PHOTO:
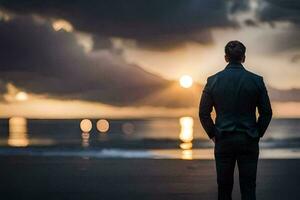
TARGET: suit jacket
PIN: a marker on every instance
(235, 93)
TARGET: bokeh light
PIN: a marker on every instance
(128, 128)
(86, 125)
(21, 96)
(102, 125)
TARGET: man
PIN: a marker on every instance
(235, 93)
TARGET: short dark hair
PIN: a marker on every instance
(235, 51)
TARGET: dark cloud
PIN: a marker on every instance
(280, 10)
(166, 42)
(40, 60)
(154, 23)
(250, 22)
(238, 6)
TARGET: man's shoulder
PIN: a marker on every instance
(214, 77)
(223, 73)
(254, 75)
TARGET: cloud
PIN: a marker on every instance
(291, 95)
(250, 22)
(154, 24)
(238, 6)
(279, 10)
(284, 18)
(284, 38)
(40, 60)
(82, 61)
(295, 58)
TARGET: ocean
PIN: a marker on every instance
(162, 138)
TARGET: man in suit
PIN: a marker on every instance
(235, 93)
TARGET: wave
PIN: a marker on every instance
(206, 153)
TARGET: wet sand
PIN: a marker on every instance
(34, 177)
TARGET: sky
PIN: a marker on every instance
(124, 58)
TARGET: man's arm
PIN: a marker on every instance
(205, 109)
(264, 110)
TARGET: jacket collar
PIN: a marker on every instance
(234, 65)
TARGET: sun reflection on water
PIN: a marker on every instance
(186, 136)
(18, 132)
(85, 139)
(187, 154)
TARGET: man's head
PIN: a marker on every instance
(235, 52)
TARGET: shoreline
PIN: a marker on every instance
(103, 153)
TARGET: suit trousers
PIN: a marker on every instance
(236, 147)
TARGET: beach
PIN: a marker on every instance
(130, 100)
(155, 159)
(67, 177)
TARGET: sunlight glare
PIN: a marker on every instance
(62, 25)
(21, 96)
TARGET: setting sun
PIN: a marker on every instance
(186, 81)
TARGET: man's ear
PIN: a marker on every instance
(226, 58)
(244, 58)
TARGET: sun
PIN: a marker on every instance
(186, 81)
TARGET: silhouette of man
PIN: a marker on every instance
(235, 93)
